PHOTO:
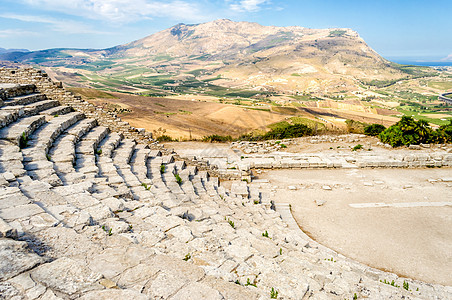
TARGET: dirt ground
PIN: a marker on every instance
(414, 242)
(184, 119)
(193, 117)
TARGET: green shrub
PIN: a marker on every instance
(178, 178)
(408, 132)
(162, 168)
(273, 293)
(165, 138)
(215, 138)
(23, 141)
(284, 131)
(248, 282)
(231, 223)
(357, 147)
(374, 129)
(442, 134)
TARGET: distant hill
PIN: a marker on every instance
(3, 50)
(229, 54)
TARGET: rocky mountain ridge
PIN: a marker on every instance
(242, 53)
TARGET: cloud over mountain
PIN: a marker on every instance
(248, 5)
(122, 11)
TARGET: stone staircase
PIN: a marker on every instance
(87, 213)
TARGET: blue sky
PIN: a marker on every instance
(395, 28)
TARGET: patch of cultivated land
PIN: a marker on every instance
(412, 241)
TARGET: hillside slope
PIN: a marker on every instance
(238, 54)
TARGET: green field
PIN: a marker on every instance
(440, 85)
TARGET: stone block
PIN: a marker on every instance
(20, 212)
(67, 276)
(15, 258)
(6, 230)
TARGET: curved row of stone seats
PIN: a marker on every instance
(9, 90)
(37, 163)
(85, 151)
(18, 131)
(11, 165)
(24, 99)
(63, 155)
(209, 244)
(36, 158)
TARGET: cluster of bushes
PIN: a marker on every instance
(279, 133)
(215, 138)
(166, 138)
(374, 129)
(410, 132)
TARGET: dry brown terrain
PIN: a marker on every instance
(180, 118)
(193, 117)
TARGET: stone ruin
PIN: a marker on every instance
(92, 208)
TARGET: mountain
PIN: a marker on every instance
(231, 55)
(3, 50)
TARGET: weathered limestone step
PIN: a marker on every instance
(286, 214)
(35, 156)
(90, 141)
(63, 151)
(16, 258)
(10, 114)
(122, 154)
(91, 210)
(25, 99)
(82, 127)
(240, 188)
(169, 178)
(11, 159)
(24, 212)
(198, 185)
(6, 231)
(8, 90)
(109, 143)
(21, 129)
(58, 110)
(43, 138)
(85, 162)
(138, 163)
(37, 107)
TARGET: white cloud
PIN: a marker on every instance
(66, 26)
(448, 58)
(248, 5)
(122, 11)
(9, 33)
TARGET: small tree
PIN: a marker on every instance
(374, 129)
